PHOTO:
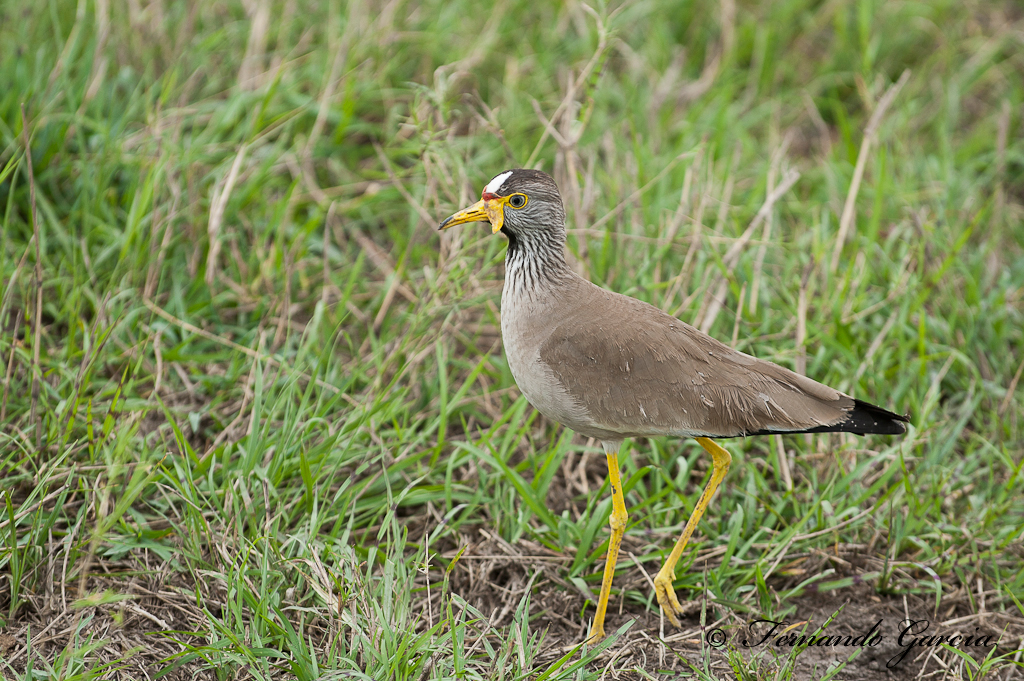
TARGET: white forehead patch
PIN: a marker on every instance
(495, 185)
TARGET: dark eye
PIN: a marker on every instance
(517, 200)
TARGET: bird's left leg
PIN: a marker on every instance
(663, 582)
(618, 526)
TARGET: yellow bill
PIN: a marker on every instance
(485, 210)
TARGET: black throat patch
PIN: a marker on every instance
(513, 241)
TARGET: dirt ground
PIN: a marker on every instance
(494, 583)
(492, 575)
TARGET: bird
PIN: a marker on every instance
(612, 367)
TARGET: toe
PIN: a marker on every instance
(668, 601)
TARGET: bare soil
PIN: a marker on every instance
(493, 575)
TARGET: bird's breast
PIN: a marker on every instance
(525, 325)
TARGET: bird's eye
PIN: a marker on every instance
(517, 200)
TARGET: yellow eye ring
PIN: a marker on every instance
(517, 201)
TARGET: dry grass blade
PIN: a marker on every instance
(382, 261)
(762, 251)
(570, 95)
(10, 365)
(783, 458)
(25, 512)
(713, 304)
(641, 191)
(801, 321)
(696, 89)
(427, 218)
(325, 285)
(739, 317)
(824, 136)
(258, 12)
(1003, 132)
(219, 203)
(99, 56)
(1010, 389)
(337, 68)
(192, 328)
(870, 134)
(875, 345)
(156, 264)
(37, 282)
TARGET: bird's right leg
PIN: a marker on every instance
(618, 525)
(663, 582)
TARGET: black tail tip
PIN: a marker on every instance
(866, 419)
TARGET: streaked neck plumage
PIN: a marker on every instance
(534, 262)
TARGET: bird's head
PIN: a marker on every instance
(516, 202)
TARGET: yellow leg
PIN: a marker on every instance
(663, 582)
(618, 525)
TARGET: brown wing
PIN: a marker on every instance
(658, 375)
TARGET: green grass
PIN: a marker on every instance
(263, 406)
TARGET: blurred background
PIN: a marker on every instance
(256, 419)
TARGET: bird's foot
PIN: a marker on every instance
(667, 599)
(670, 605)
(596, 635)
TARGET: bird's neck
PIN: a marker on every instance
(535, 262)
